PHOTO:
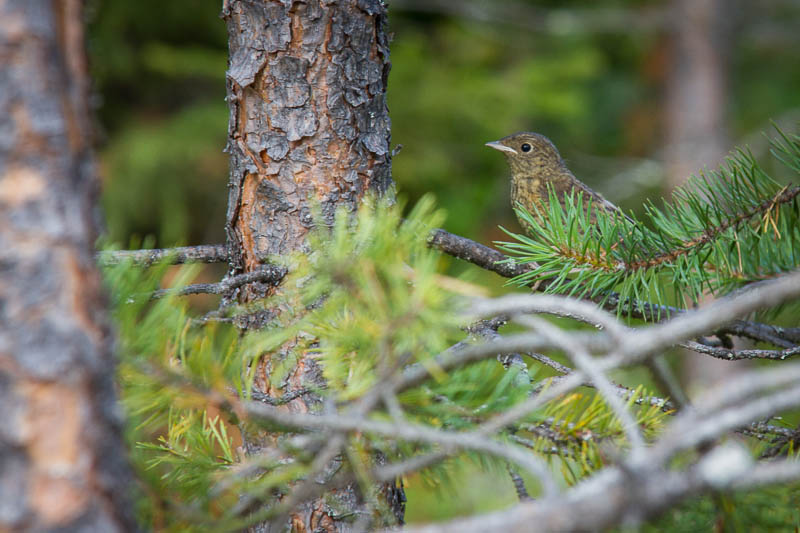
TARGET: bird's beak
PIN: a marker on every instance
(502, 147)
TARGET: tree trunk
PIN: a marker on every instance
(61, 456)
(308, 125)
(697, 87)
(696, 106)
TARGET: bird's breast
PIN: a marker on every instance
(530, 193)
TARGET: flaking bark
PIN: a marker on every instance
(309, 126)
(308, 117)
(62, 463)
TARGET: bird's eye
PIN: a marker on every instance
(526, 147)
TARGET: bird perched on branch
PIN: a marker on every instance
(535, 163)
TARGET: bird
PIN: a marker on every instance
(535, 163)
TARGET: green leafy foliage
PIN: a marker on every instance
(723, 230)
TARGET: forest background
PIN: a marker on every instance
(603, 82)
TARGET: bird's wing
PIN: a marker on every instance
(598, 201)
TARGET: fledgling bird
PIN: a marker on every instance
(535, 163)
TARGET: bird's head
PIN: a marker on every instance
(526, 152)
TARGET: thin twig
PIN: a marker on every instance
(407, 431)
(734, 355)
(265, 274)
(203, 253)
(585, 363)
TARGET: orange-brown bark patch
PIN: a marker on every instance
(297, 524)
(244, 221)
(320, 520)
(21, 184)
(53, 431)
(83, 286)
(56, 500)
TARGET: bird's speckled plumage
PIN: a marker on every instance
(540, 165)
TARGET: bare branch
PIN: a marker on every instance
(734, 355)
(407, 431)
(690, 430)
(476, 253)
(265, 274)
(585, 363)
(555, 365)
(615, 496)
(647, 340)
(582, 311)
(204, 253)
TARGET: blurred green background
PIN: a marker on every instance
(592, 76)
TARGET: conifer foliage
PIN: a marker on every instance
(413, 384)
(724, 229)
(379, 309)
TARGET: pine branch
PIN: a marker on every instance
(715, 236)
(477, 254)
(784, 196)
(734, 355)
(488, 259)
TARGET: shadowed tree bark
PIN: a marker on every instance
(697, 87)
(697, 97)
(61, 456)
(308, 124)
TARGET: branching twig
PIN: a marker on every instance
(408, 431)
(484, 257)
(584, 362)
(265, 274)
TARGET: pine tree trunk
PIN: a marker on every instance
(61, 455)
(697, 87)
(697, 96)
(308, 124)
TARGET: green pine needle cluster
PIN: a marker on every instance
(166, 370)
(367, 301)
(724, 229)
(572, 430)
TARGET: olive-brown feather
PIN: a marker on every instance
(535, 163)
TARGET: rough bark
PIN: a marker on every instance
(62, 461)
(308, 126)
(306, 89)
